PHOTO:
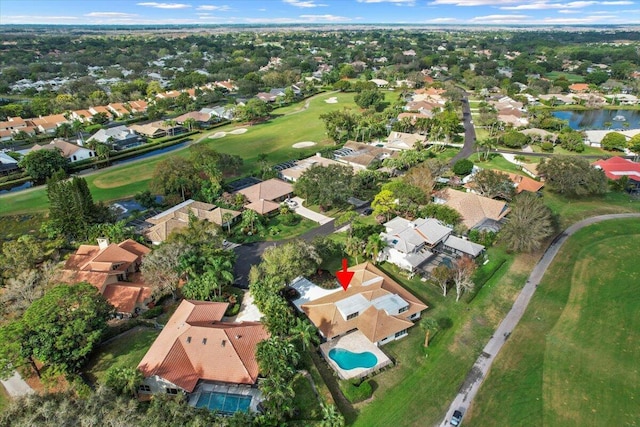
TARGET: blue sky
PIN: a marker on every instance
(478, 12)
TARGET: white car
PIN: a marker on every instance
(291, 203)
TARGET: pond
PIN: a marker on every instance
(153, 153)
(600, 119)
(17, 187)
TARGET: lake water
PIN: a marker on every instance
(596, 119)
(17, 187)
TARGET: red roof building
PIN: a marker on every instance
(196, 345)
(617, 167)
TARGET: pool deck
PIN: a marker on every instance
(355, 342)
(242, 390)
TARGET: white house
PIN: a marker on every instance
(411, 244)
(73, 153)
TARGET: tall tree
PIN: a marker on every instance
(61, 328)
(441, 276)
(160, 268)
(326, 186)
(463, 270)
(41, 164)
(528, 225)
(573, 176)
(492, 184)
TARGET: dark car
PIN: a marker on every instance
(367, 211)
(456, 418)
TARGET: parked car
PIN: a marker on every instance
(456, 418)
(291, 203)
(367, 211)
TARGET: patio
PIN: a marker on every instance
(354, 342)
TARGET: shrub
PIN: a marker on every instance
(514, 139)
(153, 312)
(356, 393)
(547, 146)
(463, 167)
(290, 219)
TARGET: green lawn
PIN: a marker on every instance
(572, 210)
(125, 351)
(5, 400)
(573, 359)
(416, 391)
(305, 401)
(572, 78)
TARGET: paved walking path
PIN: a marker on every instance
(308, 213)
(16, 386)
(480, 369)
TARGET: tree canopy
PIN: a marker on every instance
(327, 186)
(41, 164)
(528, 225)
(573, 176)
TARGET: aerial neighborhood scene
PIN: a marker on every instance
(319, 213)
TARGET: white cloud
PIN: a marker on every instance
(499, 19)
(545, 5)
(39, 19)
(396, 2)
(473, 2)
(112, 15)
(616, 3)
(164, 5)
(568, 11)
(304, 3)
(325, 18)
(442, 20)
(223, 8)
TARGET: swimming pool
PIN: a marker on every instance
(348, 360)
(223, 402)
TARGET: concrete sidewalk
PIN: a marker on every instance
(16, 386)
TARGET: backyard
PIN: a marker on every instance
(125, 351)
(573, 359)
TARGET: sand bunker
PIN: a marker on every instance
(304, 144)
(238, 131)
(332, 100)
(218, 135)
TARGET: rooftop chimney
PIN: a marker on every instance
(103, 243)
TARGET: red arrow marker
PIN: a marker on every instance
(344, 276)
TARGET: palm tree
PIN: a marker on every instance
(227, 217)
(375, 245)
(304, 331)
(330, 416)
(250, 220)
(354, 246)
(529, 224)
(170, 124)
(219, 271)
(190, 123)
(102, 151)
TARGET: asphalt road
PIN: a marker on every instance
(469, 132)
(480, 369)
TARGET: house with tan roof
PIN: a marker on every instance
(101, 109)
(177, 217)
(197, 350)
(13, 124)
(72, 152)
(373, 304)
(114, 269)
(138, 106)
(412, 244)
(360, 156)
(301, 166)
(119, 109)
(83, 115)
(272, 190)
(404, 141)
(477, 212)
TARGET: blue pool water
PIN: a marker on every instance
(222, 402)
(348, 360)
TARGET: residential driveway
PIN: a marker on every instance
(469, 132)
(249, 254)
(480, 369)
(16, 386)
(249, 312)
(309, 214)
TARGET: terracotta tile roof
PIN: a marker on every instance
(616, 167)
(263, 207)
(270, 189)
(196, 115)
(474, 208)
(101, 267)
(195, 345)
(579, 87)
(124, 297)
(138, 106)
(368, 284)
(524, 183)
(49, 121)
(295, 172)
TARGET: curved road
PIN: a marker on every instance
(480, 369)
